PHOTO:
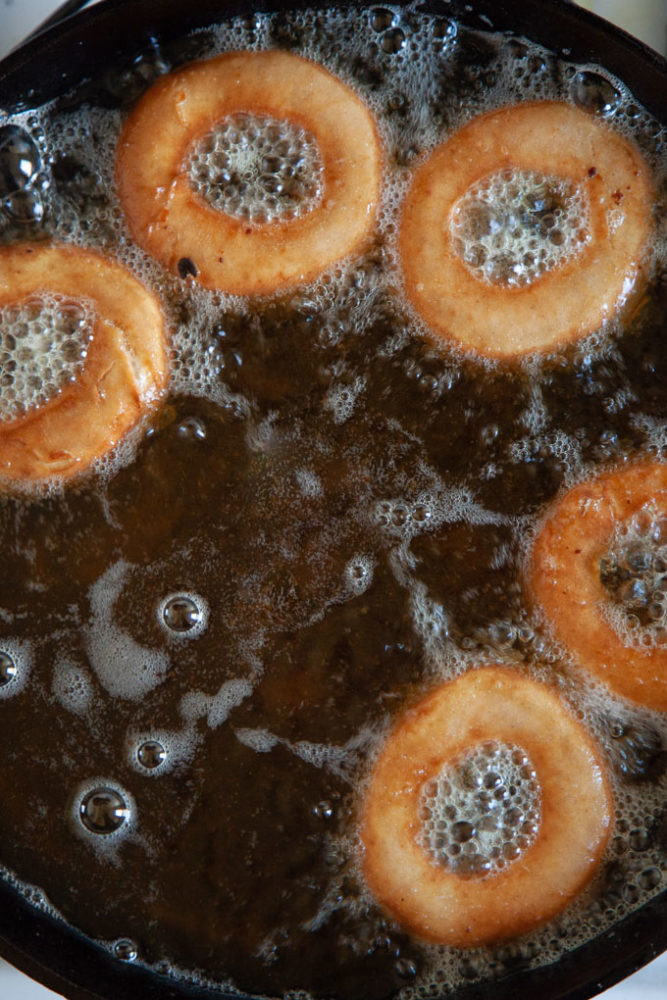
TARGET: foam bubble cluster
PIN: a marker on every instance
(516, 225)
(634, 573)
(257, 168)
(44, 342)
(483, 811)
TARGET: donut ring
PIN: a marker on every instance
(563, 578)
(124, 373)
(439, 905)
(173, 223)
(564, 303)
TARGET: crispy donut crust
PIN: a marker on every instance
(435, 903)
(124, 373)
(563, 304)
(172, 222)
(563, 578)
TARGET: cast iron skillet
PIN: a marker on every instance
(46, 67)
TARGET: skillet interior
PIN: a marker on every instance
(45, 949)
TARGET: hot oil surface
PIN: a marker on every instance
(346, 506)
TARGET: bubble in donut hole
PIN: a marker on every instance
(483, 812)
(209, 635)
(634, 574)
(258, 168)
(43, 344)
(513, 226)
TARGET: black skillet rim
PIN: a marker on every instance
(44, 947)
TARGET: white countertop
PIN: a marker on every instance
(647, 19)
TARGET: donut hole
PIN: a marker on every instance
(258, 169)
(482, 811)
(44, 342)
(633, 572)
(515, 225)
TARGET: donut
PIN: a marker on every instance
(427, 754)
(123, 370)
(485, 205)
(591, 525)
(177, 225)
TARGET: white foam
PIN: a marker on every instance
(72, 686)
(359, 573)
(124, 667)
(215, 708)
(341, 398)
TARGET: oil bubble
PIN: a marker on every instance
(125, 950)
(127, 84)
(359, 573)
(393, 40)
(594, 93)
(191, 429)
(400, 515)
(421, 513)
(151, 754)
(640, 839)
(405, 968)
(445, 32)
(25, 207)
(383, 19)
(20, 160)
(324, 810)
(184, 615)
(181, 614)
(8, 669)
(631, 893)
(103, 811)
(650, 878)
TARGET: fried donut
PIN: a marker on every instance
(175, 224)
(503, 318)
(565, 577)
(429, 897)
(123, 374)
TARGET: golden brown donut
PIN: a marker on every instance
(562, 304)
(124, 373)
(563, 578)
(436, 903)
(172, 222)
